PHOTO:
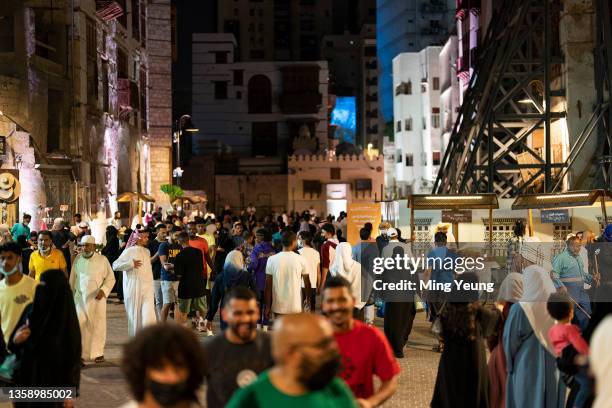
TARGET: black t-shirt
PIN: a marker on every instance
(231, 366)
(156, 266)
(188, 267)
(170, 251)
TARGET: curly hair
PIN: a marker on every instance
(158, 346)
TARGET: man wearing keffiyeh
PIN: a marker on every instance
(135, 262)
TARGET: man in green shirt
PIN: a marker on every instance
(307, 362)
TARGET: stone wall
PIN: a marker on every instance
(160, 96)
(266, 192)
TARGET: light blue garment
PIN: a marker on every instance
(533, 378)
(567, 266)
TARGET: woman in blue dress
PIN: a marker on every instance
(533, 378)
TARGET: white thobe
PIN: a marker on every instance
(87, 278)
(137, 287)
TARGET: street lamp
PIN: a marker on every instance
(184, 124)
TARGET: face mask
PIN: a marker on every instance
(300, 244)
(167, 395)
(316, 376)
(383, 233)
(9, 273)
(88, 254)
(44, 251)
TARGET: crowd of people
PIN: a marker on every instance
(296, 314)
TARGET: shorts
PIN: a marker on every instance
(169, 289)
(194, 304)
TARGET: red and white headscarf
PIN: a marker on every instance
(133, 239)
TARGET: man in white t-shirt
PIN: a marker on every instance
(285, 272)
(313, 263)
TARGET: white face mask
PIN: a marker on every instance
(300, 244)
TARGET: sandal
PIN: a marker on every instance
(99, 360)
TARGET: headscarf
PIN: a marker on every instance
(601, 362)
(537, 287)
(343, 261)
(233, 268)
(133, 239)
(51, 356)
(511, 289)
(536, 252)
(607, 233)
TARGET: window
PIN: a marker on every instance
(144, 119)
(136, 19)
(264, 139)
(436, 84)
(260, 94)
(261, 27)
(220, 90)
(54, 113)
(435, 121)
(409, 160)
(408, 124)
(398, 156)
(436, 158)
(370, 51)
(257, 54)
(424, 123)
(398, 128)
(122, 64)
(7, 33)
(423, 88)
(123, 18)
(105, 103)
(334, 173)
(238, 95)
(238, 77)
(221, 57)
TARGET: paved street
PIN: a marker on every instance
(103, 386)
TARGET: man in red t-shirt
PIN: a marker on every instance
(365, 350)
(328, 251)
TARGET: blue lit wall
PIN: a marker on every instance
(344, 117)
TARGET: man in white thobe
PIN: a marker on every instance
(91, 281)
(135, 262)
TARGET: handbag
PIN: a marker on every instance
(436, 326)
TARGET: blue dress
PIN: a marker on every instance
(533, 378)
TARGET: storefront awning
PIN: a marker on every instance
(453, 202)
(567, 199)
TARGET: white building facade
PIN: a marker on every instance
(417, 121)
(450, 93)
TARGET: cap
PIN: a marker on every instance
(88, 239)
(392, 232)
(83, 224)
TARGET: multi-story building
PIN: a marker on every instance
(280, 30)
(252, 115)
(416, 80)
(449, 90)
(83, 102)
(371, 124)
(408, 26)
(342, 53)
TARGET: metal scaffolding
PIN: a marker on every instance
(501, 142)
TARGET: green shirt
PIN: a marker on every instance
(262, 393)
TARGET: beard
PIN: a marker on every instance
(316, 376)
(236, 329)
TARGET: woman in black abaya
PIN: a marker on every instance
(47, 340)
(462, 380)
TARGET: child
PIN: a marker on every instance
(563, 335)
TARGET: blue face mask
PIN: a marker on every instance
(11, 272)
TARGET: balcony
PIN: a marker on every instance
(300, 103)
(372, 81)
(372, 130)
(371, 65)
(373, 114)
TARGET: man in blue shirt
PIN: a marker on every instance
(570, 277)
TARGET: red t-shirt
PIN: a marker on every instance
(562, 335)
(202, 245)
(325, 258)
(365, 352)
